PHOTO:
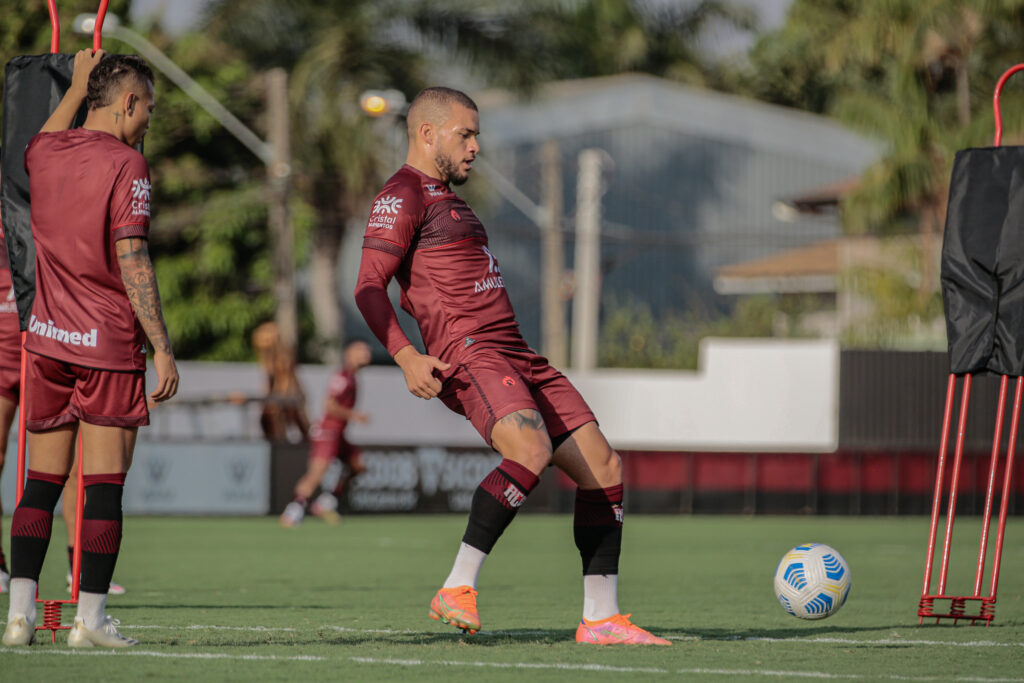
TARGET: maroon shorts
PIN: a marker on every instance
(58, 393)
(327, 444)
(493, 383)
(10, 383)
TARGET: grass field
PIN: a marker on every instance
(242, 599)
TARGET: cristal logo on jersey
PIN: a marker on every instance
(514, 496)
(141, 190)
(493, 281)
(389, 204)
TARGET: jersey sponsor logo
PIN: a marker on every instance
(385, 213)
(508, 381)
(434, 190)
(514, 496)
(495, 281)
(50, 331)
(388, 204)
(141, 190)
(456, 217)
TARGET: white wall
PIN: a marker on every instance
(748, 394)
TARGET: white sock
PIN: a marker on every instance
(467, 566)
(23, 600)
(92, 608)
(600, 596)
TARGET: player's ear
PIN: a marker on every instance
(130, 100)
(427, 132)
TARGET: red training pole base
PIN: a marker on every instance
(957, 608)
(51, 617)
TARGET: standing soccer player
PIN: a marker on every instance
(96, 303)
(477, 362)
(328, 442)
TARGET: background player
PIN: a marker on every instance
(425, 236)
(96, 303)
(328, 442)
(10, 377)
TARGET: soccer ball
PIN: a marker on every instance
(812, 581)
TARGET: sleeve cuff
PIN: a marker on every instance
(126, 231)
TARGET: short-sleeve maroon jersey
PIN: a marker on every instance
(10, 330)
(450, 280)
(88, 190)
(342, 388)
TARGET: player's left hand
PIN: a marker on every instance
(166, 376)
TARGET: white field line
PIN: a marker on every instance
(499, 665)
(766, 639)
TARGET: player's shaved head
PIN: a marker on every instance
(113, 75)
(433, 106)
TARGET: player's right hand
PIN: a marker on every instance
(166, 376)
(418, 369)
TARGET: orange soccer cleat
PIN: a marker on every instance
(456, 606)
(616, 630)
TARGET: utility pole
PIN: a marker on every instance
(587, 261)
(278, 218)
(554, 332)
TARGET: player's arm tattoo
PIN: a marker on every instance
(525, 419)
(140, 285)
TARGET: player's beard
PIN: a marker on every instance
(449, 169)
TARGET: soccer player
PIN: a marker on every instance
(328, 442)
(421, 233)
(10, 374)
(96, 304)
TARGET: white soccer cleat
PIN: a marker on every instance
(106, 635)
(292, 515)
(5, 581)
(114, 589)
(19, 631)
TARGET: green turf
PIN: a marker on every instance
(252, 601)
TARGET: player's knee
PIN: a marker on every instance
(612, 467)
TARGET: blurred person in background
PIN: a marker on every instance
(284, 408)
(328, 442)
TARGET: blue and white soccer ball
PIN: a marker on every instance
(812, 581)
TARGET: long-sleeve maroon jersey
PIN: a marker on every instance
(425, 236)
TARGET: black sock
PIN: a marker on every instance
(597, 529)
(32, 523)
(71, 557)
(101, 530)
(496, 502)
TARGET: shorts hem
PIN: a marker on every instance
(48, 423)
(105, 421)
(9, 394)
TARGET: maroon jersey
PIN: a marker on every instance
(10, 330)
(342, 388)
(89, 190)
(450, 281)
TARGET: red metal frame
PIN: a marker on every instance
(958, 603)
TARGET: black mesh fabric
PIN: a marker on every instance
(983, 262)
(33, 87)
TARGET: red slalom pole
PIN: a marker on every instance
(954, 483)
(995, 101)
(76, 561)
(51, 5)
(97, 32)
(1005, 501)
(986, 517)
(940, 474)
